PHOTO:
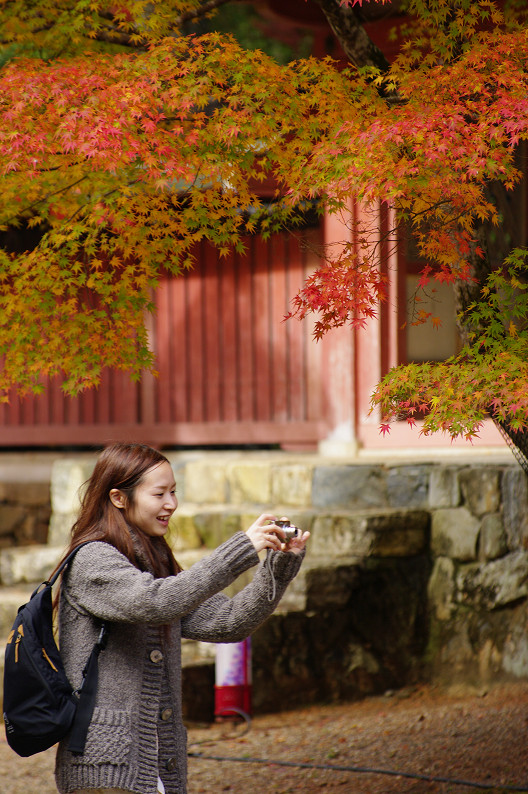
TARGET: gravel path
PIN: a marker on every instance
(466, 737)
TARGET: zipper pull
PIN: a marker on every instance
(20, 634)
(17, 643)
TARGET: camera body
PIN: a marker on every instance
(289, 530)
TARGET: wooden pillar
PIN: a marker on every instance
(354, 361)
(337, 370)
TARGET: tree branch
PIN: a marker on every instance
(204, 9)
(347, 26)
(115, 36)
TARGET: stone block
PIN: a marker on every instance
(494, 584)
(441, 588)
(455, 656)
(30, 494)
(328, 585)
(178, 467)
(215, 527)
(444, 489)
(198, 682)
(408, 486)
(206, 482)
(60, 525)
(27, 564)
(12, 599)
(515, 507)
(480, 489)
(454, 533)
(389, 534)
(492, 542)
(292, 485)
(33, 528)
(67, 480)
(349, 487)
(349, 649)
(11, 517)
(489, 660)
(515, 650)
(183, 533)
(249, 482)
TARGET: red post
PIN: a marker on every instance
(233, 680)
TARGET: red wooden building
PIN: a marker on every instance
(231, 372)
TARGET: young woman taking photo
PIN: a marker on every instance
(127, 576)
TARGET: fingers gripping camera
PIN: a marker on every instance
(290, 531)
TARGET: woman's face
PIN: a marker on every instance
(154, 501)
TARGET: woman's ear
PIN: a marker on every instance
(117, 498)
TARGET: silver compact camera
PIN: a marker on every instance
(290, 531)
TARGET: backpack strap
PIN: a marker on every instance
(66, 561)
(87, 692)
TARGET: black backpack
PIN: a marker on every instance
(40, 706)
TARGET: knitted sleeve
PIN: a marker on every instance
(104, 583)
(223, 619)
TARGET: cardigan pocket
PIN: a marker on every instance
(109, 738)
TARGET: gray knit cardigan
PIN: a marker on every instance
(137, 731)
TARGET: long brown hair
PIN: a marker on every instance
(121, 466)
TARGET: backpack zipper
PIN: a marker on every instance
(18, 640)
(30, 660)
(46, 657)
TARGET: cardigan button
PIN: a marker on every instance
(166, 714)
(172, 764)
(156, 656)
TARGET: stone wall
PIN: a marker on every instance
(414, 570)
(478, 588)
(25, 510)
(25, 504)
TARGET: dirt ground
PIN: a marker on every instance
(419, 741)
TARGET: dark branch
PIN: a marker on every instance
(116, 36)
(347, 26)
(197, 13)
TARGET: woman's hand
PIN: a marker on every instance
(265, 534)
(297, 544)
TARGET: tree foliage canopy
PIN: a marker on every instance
(125, 139)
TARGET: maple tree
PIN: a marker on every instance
(125, 139)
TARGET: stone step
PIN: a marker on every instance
(261, 480)
(28, 564)
(11, 598)
(335, 534)
(384, 532)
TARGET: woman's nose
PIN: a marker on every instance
(171, 502)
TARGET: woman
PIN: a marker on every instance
(129, 578)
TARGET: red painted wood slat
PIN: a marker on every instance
(263, 353)
(211, 320)
(230, 370)
(229, 339)
(245, 310)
